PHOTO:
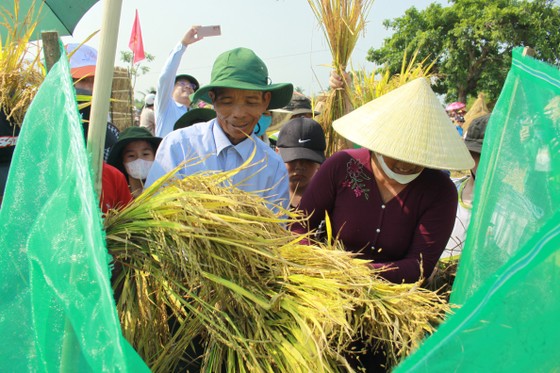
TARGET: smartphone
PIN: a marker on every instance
(209, 31)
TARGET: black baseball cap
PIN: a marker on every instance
(302, 138)
(475, 133)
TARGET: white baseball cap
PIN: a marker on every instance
(82, 61)
(150, 99)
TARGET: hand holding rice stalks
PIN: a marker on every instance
(199, 262)
(342, 21)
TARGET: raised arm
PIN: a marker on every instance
(166, 81)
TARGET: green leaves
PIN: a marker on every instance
(473, 40)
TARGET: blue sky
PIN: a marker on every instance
(284, 33)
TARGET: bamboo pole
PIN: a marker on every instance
(102, 86)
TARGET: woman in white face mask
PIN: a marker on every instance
(389, 201)
(133, 155)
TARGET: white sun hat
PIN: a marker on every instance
(408, 124)
(82, 61)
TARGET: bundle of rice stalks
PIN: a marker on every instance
(209, 270)
(21, 73)
(342, 21)
(367, 87)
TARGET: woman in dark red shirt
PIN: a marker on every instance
(389, 201)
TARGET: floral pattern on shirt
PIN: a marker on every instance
(355, 177)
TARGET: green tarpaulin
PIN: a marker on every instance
(508, 276)
(57, 312)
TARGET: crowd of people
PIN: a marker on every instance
(389, 199)
(375, 195)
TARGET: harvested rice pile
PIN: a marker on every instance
(200, 265)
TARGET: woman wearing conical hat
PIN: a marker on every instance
(389, 201)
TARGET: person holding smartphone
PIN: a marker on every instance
(173, 91)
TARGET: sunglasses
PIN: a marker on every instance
(185, 84)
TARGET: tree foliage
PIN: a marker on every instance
(137, 69)
(472, 41)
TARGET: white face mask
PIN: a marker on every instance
(139, 168)
(399, 178)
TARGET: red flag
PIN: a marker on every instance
(135, 44)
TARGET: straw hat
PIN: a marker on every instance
(408, 124)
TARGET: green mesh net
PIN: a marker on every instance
(57, 312)
(507, 281)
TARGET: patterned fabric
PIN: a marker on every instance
(355, 178)
(411, 228)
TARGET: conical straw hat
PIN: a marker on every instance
(409, 124)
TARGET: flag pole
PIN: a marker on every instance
(102, 87)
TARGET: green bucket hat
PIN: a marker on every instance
(188, 77)
(193, 116)
(128, 135)
(241, 68)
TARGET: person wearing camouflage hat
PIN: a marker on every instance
(300, 107)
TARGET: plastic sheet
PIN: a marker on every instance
(510, 268)
(517, 190)
(57, 312)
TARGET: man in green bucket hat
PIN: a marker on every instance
(240, 91)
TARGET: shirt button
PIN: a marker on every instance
(378, 230)
(382, 206)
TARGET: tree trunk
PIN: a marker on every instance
(462, 95)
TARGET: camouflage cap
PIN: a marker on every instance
(299, 104)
